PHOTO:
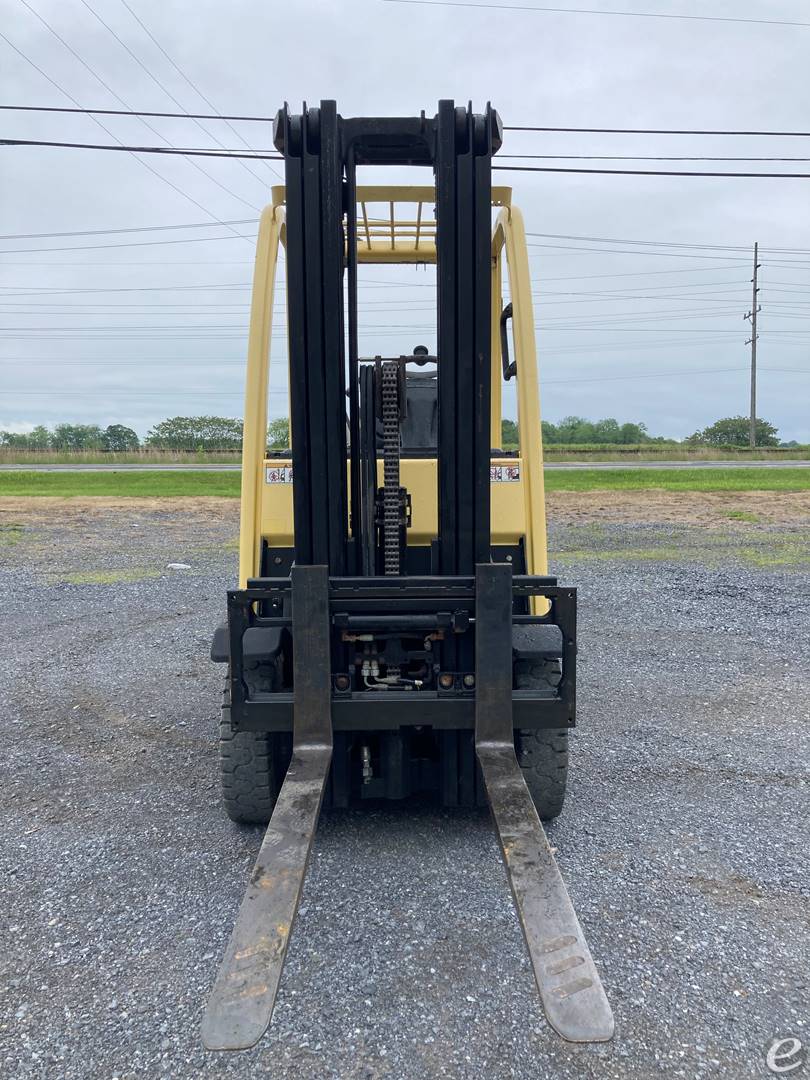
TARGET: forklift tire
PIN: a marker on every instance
(542, 753)
(249, 767)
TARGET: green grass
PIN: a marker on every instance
(226, 484)
(737, 479)
(106, 577)
(761, 548)
(125, 485)
(10, 534)
(743, 515)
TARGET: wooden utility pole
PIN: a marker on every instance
(752, 341)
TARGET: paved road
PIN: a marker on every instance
(553, 465)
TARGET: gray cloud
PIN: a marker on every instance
(382, 58)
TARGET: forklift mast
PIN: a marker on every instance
(322, 152)
(350, 633)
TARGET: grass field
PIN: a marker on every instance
(553, 452)
(224, 484)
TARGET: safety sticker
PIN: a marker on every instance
(278, 474)
(504, 474)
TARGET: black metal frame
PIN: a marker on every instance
(382, 602)
(322, 151)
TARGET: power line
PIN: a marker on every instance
(269, 155)
(99, 123)
(193, 85)
(596, 11)
(644, 273)
(21, 307)
(658, 254)
(633, 157)
(643, 375)
(416, 285)
(189, 153)
(118, 97)
(176, 151)
(129, 229)
(136, 112)
(138, 243)
(507, 127)
(49, 291)
(123, 391)
(634, 172)
(58, 263)
(655, 131)
(167, 92)
(665, 243)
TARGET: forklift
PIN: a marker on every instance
(395, 633)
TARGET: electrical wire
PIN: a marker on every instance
(268, 155)
(634, 157)
(643, 375)
(107, 131)
(193, 85)
(172, 151)
(126, 104)
(597, 11)
(189, 153)
(666, 243)
(642, 172)
(657, 131)
(507, 127)
(138, 243)
(161, 86)
(129, 229)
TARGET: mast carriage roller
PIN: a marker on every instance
(395, 631)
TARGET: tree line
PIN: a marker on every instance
(220, 433)
(189, 433)
(576, 429)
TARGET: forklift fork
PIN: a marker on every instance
(241, 1004)
(571, 991)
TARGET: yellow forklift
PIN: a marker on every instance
(395, 632)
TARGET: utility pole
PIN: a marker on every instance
(752, 341)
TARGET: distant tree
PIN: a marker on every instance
(117, 438)
(196, 433)
(509, 433)
(278, 433)
(549, 431)
(734, 431)
(607, 431)
(37, 439)
(633, 433)
(576, 429)
(77, 437)
(15, 440)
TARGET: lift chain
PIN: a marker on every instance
(392, 509)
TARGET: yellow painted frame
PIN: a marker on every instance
(403, 241)
(509, 235)
(254, 432)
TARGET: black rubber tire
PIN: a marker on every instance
(543, 752)
(249, 768)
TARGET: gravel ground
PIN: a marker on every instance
(684, 840)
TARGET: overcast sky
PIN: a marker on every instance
(130, 328)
